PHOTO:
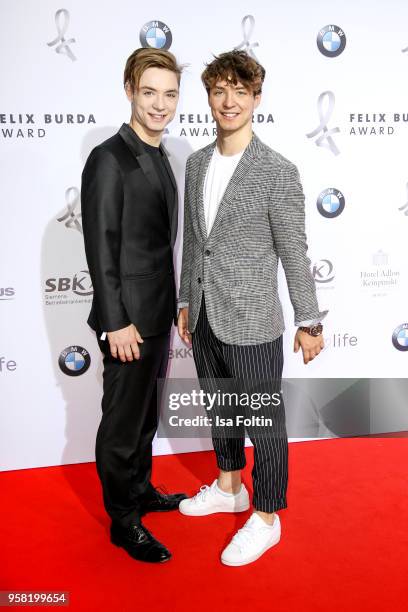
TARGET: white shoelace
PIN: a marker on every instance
(244, 536)
(201, 495)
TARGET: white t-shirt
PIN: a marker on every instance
(219, 173)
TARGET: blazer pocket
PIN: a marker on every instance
(141, 275)
(246, 274)
(248, 304)
(245, 288)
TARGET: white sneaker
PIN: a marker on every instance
(251, 541)
(210, 500)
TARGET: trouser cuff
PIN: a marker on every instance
(269, 505)
(230, 465)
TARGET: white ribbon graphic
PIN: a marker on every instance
(72, 219)
(248, 25)
(62, 23)
(325, 139)
(405, 207)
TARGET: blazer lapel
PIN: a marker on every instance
(241, 171)
(205, 162)
(143, 159)
(147, 166)
(172, 203)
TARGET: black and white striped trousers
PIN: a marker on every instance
(216, 361)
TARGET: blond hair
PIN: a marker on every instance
(142, 59)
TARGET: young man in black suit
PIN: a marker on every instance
(129, 213)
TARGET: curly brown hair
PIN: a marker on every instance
(234, 66)
(144, 58)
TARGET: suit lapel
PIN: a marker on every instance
(147, 166)
(172, 203)
(143, 159)
(166, 155)
(241, 172)
(205, 161)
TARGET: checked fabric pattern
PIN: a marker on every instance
(259, 221)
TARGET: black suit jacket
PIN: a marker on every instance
(129, 232)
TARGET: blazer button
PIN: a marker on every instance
(208, 252)
(198, 280)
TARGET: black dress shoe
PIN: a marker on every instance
(161, 502)
(139, 543)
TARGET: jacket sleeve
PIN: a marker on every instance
(102, 205)
(184, 293)
(287, 219)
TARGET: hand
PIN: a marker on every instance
(124, 343)
(182, 325)
(310, 345)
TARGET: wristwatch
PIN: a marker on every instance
(313, 330)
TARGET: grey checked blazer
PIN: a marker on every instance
(259, 221)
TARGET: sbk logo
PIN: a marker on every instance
(80, 284)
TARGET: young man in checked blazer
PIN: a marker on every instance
(244, 210)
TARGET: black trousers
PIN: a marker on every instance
(253, 366)
(127, 428)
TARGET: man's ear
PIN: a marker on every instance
(129, 91)
(257, 100)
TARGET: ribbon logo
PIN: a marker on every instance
(248, 25)
(325, 139)
(405, 207)
(71, 219)
(62, 23)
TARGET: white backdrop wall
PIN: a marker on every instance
(62, 94)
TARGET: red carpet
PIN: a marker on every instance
(344, 537)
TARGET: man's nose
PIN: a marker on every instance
(229, 99)
(159, 102)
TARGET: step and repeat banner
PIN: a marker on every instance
(335, 102)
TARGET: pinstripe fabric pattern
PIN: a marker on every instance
(259, 221)
(216, 360)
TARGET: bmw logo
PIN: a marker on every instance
(330, 203)
(331, 41)
(74, 360)
(155, 35)
(400, 337)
